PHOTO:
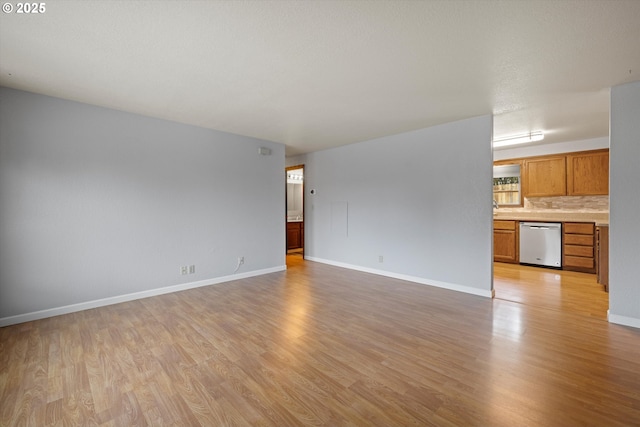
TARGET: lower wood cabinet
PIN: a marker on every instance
(583, 250)
(505, 241)
(579, 247)
(602, 255)
(295, 235)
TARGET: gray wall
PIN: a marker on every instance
(97, 203)
(421, 200)
(624, 256)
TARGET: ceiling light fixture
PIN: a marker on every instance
(518, 139)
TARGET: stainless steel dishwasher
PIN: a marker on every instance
(541, 243)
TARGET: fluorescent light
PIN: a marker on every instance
(519, 139)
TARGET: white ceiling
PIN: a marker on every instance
(319, 74)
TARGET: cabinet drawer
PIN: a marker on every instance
(578, 239)
(575, 261)
(584, 251)
(504, 225)
(578, 227)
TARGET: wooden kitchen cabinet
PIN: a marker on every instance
(295, 235)
(545, 176)
(579, 247)
(588, 173)
(584, 173)
(505, 241)
(602, 255)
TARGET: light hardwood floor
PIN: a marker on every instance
(321, 345)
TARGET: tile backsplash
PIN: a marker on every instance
(563, 203)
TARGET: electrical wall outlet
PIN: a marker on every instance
(192, 269)
(240, 260)
(184, 270)
(380, 259)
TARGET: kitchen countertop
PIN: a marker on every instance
(600, 218)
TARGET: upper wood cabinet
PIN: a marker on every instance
(545, 176)
(588, 173)
(584, 173)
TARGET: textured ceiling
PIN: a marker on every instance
(318, 74)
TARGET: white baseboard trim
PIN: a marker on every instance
(420, 280)
(623, 320)
(42, 314)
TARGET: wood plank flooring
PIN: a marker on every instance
(569, 291)
(320, 345)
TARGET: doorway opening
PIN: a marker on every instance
(526, 284)
(295, 213)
